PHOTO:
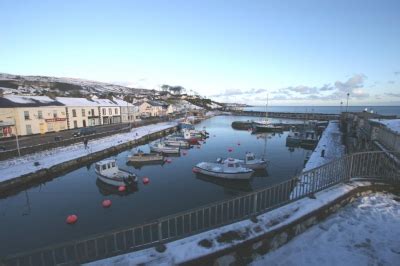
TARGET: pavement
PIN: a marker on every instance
(50, 137)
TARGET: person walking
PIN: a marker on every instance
(85, 142)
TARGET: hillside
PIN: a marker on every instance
(42, 85)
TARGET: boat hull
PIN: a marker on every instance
(165, 150)
(146, 158)
(224, 175)
(255, 166)
(267, 129)
(174, 143)
(114, 181)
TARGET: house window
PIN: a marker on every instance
(83, 113)
(26, 115)
(75, 124)
(55, 113)
(116, 111)
(109, 111)
(40, 114)
(92, 112)
(73, 113)
(104, 111)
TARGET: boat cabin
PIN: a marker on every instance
(107, 167)
(230, 162)
(250, 156)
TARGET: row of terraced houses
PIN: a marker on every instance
(26, 115)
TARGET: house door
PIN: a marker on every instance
(28, 129)
(84, 123)
(41, 128)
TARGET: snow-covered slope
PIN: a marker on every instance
(38, 85)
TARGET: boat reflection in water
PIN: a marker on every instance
(237, 185)
(260, 173)
(106, 189)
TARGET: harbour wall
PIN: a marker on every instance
(243, 253)
(13, 186)
(285, 115)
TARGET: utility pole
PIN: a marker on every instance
(347, 104)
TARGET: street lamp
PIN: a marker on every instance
(16, 135)
(347, 104)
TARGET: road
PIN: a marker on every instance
(27, 141)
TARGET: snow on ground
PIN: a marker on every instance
(16, 167)
(392, 124)
(331, 142)
(187, 249)
(365, 232)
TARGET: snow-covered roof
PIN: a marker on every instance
(69, 101)
(27, 101)
(122, 103)
(392, 124)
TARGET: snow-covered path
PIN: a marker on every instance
(16, 167)
(331, 142)
(365, 232)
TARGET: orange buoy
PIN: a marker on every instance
(71, 219)
(106, 203)
(145, 180)
(121, 188)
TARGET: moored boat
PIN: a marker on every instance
(176, 142)
(250, 161)
(163, 148)
(108, 172)
(229, 169)
(142, 157)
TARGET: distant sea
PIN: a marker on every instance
(383, 110)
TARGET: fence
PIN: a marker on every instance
(372, 165)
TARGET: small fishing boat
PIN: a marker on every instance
(108, 172)
(229, 169)
(163, 148)
(250, 161)
(176, 142)
(142, 157)
(265, 126)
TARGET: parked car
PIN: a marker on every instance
(84, 132)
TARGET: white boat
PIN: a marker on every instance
(230, 169)
(108, 172)
(176, 142)
(163, 148)
(250, 161)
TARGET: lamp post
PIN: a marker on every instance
(16, 135)
(341, 107)
(347, 104)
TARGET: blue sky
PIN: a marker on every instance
(299, 52)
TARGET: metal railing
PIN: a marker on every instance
(382, 166)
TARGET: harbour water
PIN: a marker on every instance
(383, 110)
(35, 217)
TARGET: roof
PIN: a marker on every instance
(392, 124)
(38, 101)
(27, 101)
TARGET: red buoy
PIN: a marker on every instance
(145, 180)
(195, 170)
(238, 143)
(230, 150)
(71, 219)
(168, 160)
(121, 188)
(106, 203)
(184, 153)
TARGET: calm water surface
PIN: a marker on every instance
(36, 217)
